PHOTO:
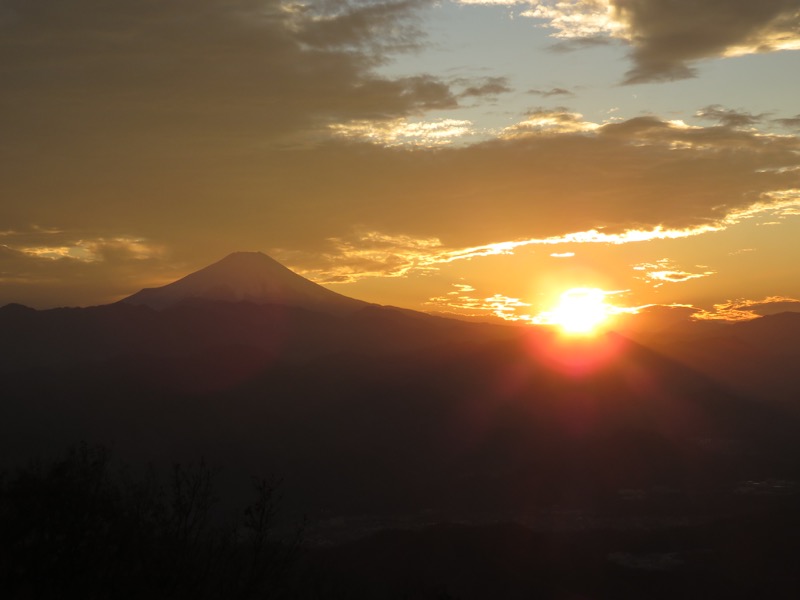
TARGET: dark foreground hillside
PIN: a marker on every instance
(492, 426)
(81, 526)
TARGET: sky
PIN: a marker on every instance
(473, 157)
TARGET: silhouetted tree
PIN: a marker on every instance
(72, 527)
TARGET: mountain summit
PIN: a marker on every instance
(251, 277)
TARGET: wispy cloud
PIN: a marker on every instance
(666, 271)
(789, 122)
(747, 310)
(40, 264)
(486, 86)
(557, 91)
(376, 254)
(729, 117)
(578, 19)
(364, 255)
(553, 121)
(53, 244)
(403, 132)
(463, 302)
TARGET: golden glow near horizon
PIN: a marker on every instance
(580, 311)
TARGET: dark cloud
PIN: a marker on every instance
(551, 92)
(790, 122)
(640, 173)
(580, 43)
(669, 35)
(728, 117)
(488, 86)
(86, 75)
(380, 26)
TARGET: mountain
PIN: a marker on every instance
(247, 277)
(373, 409)
(247, 301)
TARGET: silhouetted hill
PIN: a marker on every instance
(758, 358)
(77, 335)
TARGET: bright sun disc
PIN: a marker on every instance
(580, 311)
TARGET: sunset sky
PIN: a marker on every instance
(477, 157)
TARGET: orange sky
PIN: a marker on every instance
(438, 156)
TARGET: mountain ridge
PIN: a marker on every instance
(247, 276)
(247, 299)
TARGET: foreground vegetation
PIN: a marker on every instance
(78, 527)
(83, 526)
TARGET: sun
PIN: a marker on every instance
(580, 311)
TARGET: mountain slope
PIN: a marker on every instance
(251, 277)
